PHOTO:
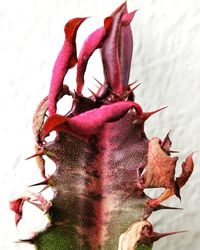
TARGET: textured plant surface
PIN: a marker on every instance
(104, 159)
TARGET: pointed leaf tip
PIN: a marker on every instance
(16, 206)
(66, 59)
(187, 169)
(71, 28)
(108, 22)
(122, 6)
(127, 18)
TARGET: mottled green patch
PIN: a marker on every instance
(144, 247)
(59, 237)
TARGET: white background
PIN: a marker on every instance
(166, 61)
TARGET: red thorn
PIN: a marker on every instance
(131, 90)
(98, 82)
(146, 115)
(39, 153)
(126, 87)
(131, 84)
(92, 92)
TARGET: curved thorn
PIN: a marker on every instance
(187, 169)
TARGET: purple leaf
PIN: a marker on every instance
(126, 47)
(110, 55)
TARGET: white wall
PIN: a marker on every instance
(166, 61)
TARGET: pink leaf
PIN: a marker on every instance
(93, 42)
(90, 122)
(66, 59)
(16, 206)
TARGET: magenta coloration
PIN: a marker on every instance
(90, 122)
(94, 41)
(65, 60)
(103, 158)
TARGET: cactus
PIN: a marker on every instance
(103, 158)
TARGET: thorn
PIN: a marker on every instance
(30, 241)
(45, 182)
(39, 153)
(146, 115)
(125, 88)
(131, 90)
(98, 82)
(156, 236)
(177, 191)
(92, 93)
(174, 151)
(159, 207)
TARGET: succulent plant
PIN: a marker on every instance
(103, 158)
